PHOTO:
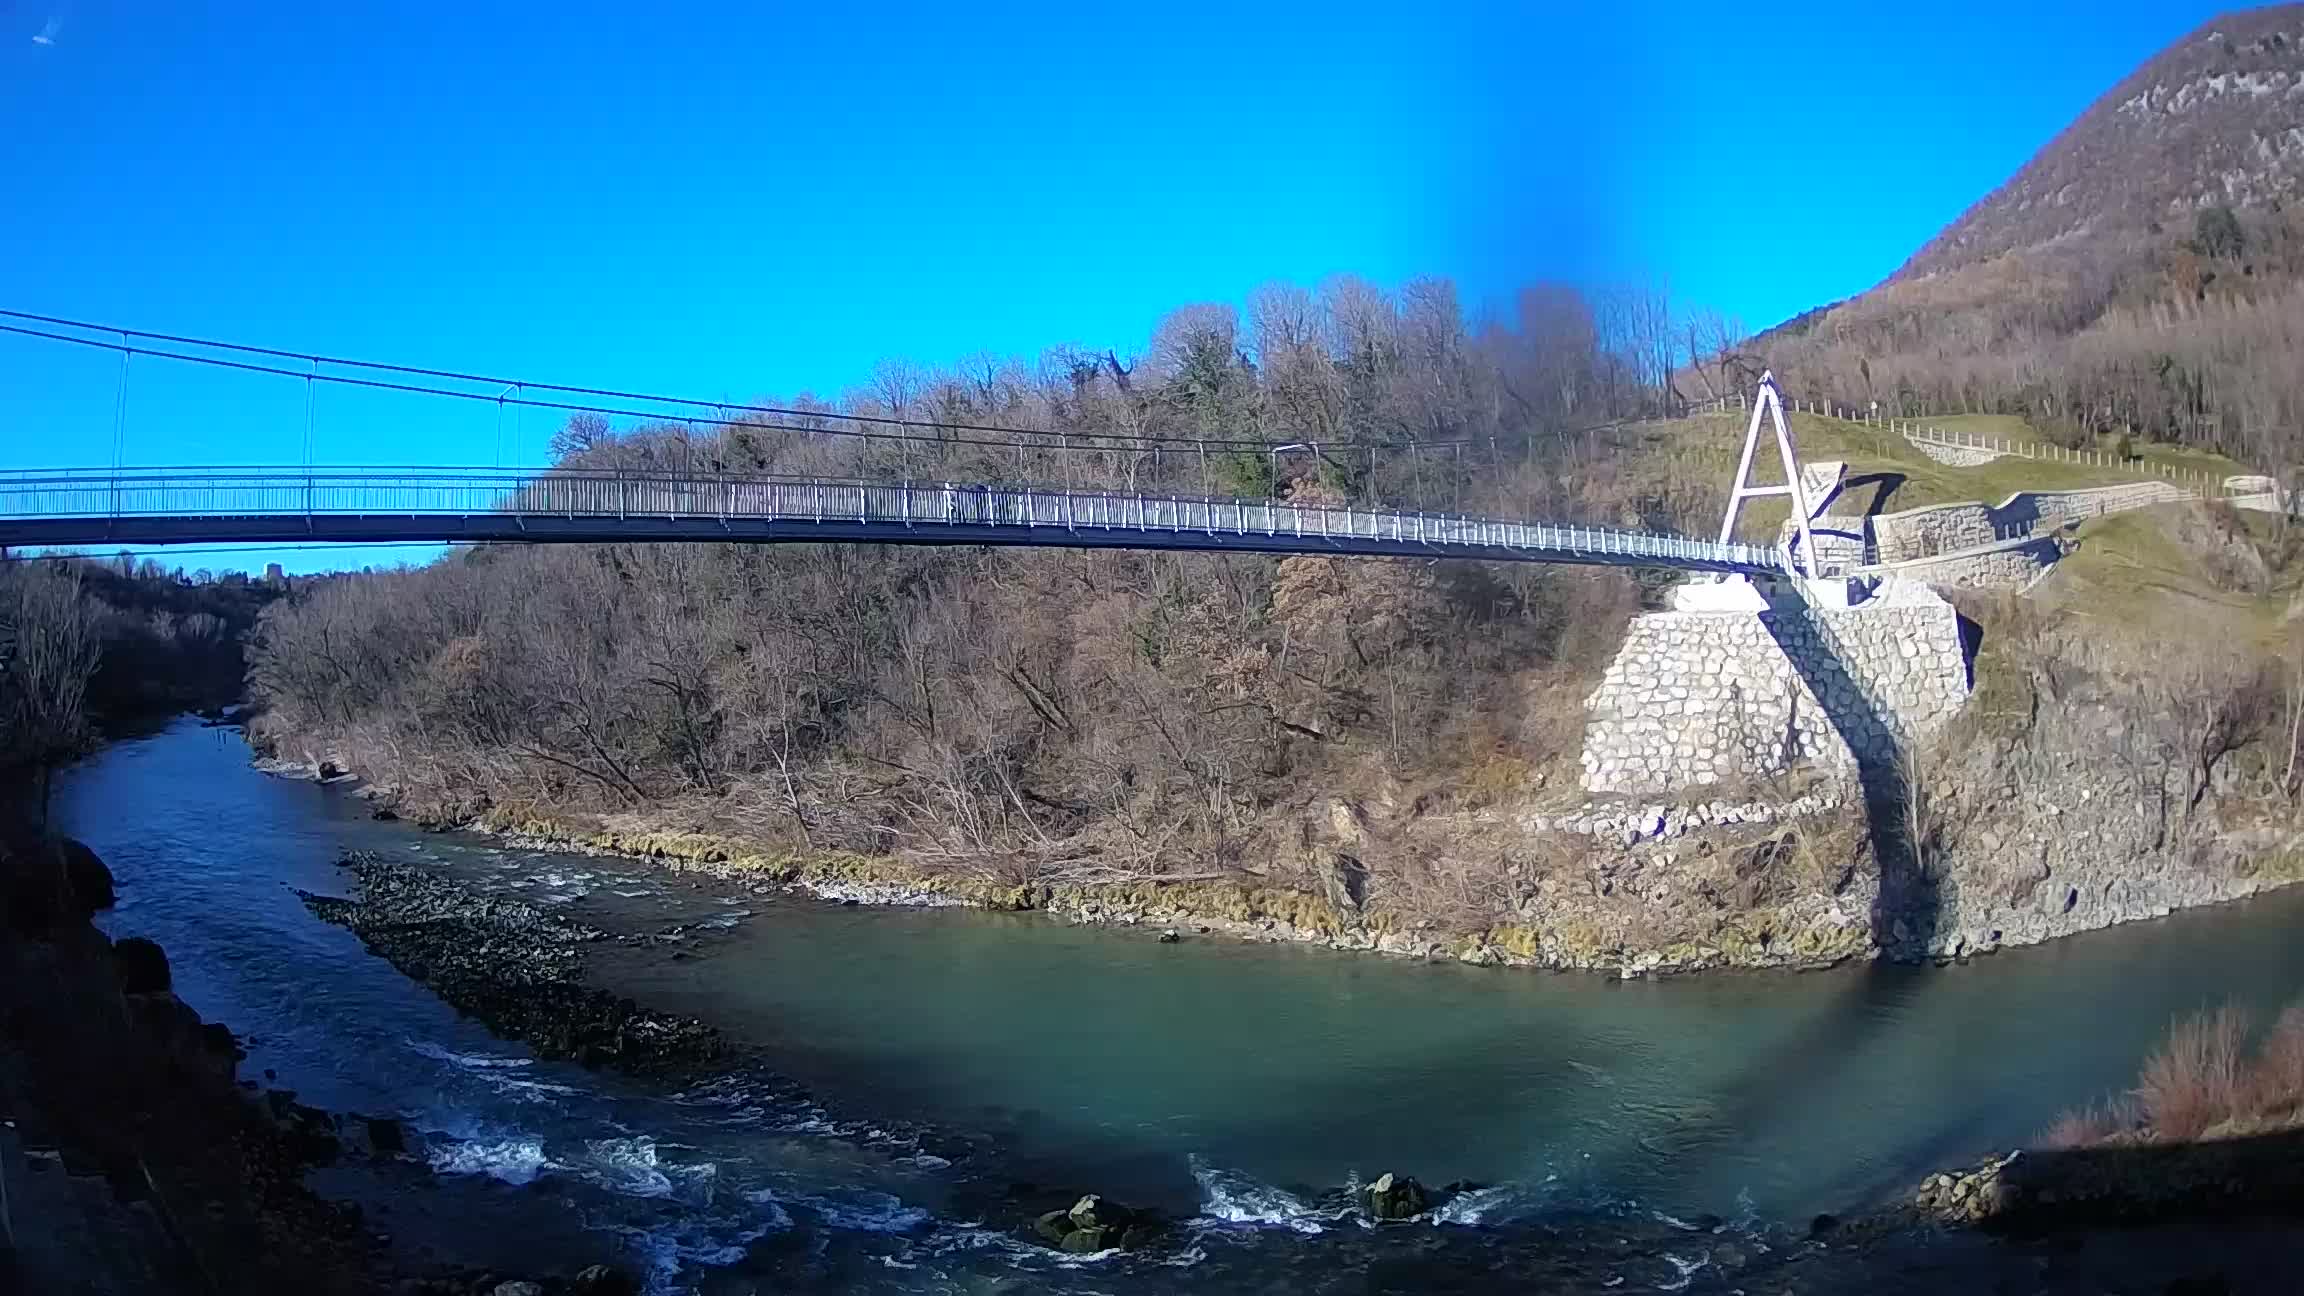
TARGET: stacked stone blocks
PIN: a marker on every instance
(1944, 528)
(1698, 698)
(1954, 456)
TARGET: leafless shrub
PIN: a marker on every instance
(2202, 1076)
(2276, 1082)
(2195, 1078)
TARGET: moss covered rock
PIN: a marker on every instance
(1095, 1224)
(1395, 1197)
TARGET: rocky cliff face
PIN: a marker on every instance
(2085, 801)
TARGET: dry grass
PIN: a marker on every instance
(2170, 572)
(2277, 1087)
(2203, 1079)
(2090, 1125)
(1494, 778)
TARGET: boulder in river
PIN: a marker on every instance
(1095, 1224)
(1394, 1197)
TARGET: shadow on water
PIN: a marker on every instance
(1907, 911)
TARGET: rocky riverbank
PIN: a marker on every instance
(512, 966)
(133, 1159)
(1465, 1240)
(2082, 785)
(1632, 889)
(1600, 932)
(2124, 1183)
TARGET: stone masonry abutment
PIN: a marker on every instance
(1697, 698)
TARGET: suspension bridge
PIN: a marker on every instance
(181, 505)
(121, 505)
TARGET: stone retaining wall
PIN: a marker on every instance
(1694, 698)
(1944, 528)
(1954, 456)
(2010, 565)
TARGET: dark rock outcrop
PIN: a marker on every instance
(89, 881)
(2124, 1182)
(143, 966)
(118, 1076)
(52, 884)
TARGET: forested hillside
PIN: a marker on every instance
(2143, 275)
(88, 648)
(1357, 731)
(1085, 714)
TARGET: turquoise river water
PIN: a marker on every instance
(964, 1069)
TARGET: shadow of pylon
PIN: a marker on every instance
(1908, 912)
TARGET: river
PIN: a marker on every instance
(965, 1064)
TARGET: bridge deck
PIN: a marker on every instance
(161, 506)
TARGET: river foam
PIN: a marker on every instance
(1229, 1197)
(517, 1160)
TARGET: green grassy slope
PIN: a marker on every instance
(2184, 573)
(1677, 460)
(2014, 430)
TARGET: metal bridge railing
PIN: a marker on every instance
(409, 492)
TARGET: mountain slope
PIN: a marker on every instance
(2141, 278)
(2217, 119)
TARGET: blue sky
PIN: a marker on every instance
(757, 199)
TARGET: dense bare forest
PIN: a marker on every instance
(1054, 716)
(1082, 714)
(88, 648)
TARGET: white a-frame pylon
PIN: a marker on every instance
(1771, 403)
